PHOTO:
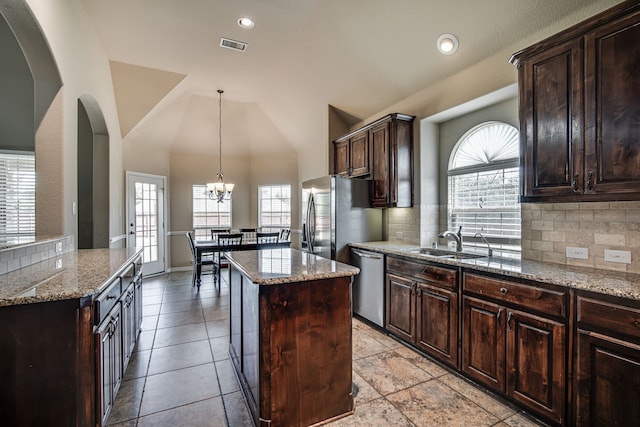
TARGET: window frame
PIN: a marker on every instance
(17, 196)
(282, 213)
(512, 215)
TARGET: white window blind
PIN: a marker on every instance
(274, 205)
(17, 194)
(486, 202)
(208, 214)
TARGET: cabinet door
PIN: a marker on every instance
(483, 342)
(536, 363)
(613, 110)
(607, 379)
(551, 122)
(129, 327)
(380, 191)
(359, 154)
(400, 307)
(437, 323)
(341, 158)
(109, 362)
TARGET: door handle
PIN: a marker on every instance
(363, 255)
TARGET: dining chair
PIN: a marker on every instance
(265, 239)
(284, 233)
(249, 233)
(216, 231)
(226, 241)
(207, 259)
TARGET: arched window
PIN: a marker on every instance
(484, 185)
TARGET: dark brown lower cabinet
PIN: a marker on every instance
(522, 354)
(290, 345)
(109, 361)
(422, 307)
(607, 361)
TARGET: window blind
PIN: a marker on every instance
(17, 194)
(486, 202)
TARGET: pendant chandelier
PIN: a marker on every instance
(220, 190)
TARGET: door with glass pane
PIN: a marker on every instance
(145, 219)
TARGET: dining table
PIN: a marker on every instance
(212, 247)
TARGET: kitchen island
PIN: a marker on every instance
(290, 327)
(67, 328)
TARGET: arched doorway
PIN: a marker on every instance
(93, 175)
(29, 84)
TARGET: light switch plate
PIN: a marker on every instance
(623, 257)
(579, 253)
(59, 247)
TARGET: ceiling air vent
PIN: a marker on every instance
(233, 44)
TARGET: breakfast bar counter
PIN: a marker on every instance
(290, 327)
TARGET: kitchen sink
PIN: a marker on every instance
(446, 254)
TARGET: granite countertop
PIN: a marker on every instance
(74, 275)
(278, 266)
(620, 284)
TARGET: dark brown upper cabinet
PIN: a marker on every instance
(381, 151)
(579, 111)
(352, 155)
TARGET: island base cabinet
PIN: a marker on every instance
(290, 346)
(46, 364)
(109, 361)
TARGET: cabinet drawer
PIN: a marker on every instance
(427, 273)
(608, 315)
(128, 274)
(533, 296)
(106, 300)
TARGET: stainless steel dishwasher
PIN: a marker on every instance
(368, 287)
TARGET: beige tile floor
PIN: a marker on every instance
(180, 374)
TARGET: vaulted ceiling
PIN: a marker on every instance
(359, 56)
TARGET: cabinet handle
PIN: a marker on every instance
(574, 183)
(590, 181)
(509, 317)
(498, 317)
(111, 297)
(503, 291)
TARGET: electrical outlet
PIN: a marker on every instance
(58, 263)
(579, 253)
(623, 257)
(399, 235)
(59, 247)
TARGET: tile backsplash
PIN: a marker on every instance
(549, 228)
(21, 256)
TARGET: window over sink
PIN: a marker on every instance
(484, 185)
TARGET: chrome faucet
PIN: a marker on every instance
(455, 236)
(478, 234)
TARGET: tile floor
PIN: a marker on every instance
(180, 374)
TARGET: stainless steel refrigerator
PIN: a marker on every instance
(336, 212)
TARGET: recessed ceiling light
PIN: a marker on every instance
(447, 44)
(245, 23)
